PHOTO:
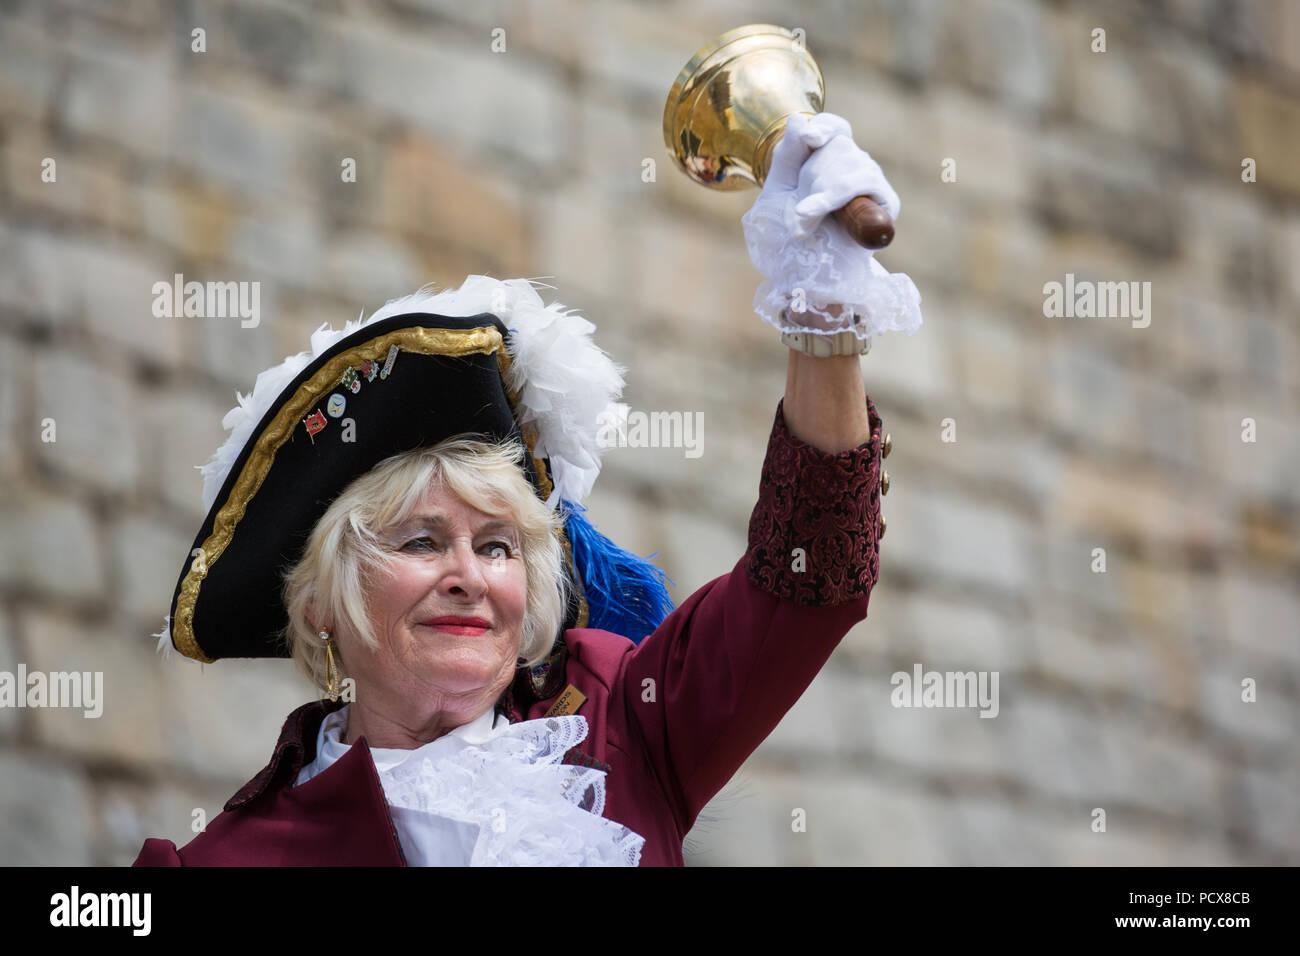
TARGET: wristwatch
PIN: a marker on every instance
(825, 346)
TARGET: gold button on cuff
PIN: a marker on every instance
(883, 525)
(889, 446)
(884, 482)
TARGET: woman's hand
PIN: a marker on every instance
(819, 279)
(810, 262)
(825, 170)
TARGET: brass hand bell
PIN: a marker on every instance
(728, 109)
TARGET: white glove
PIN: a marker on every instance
(810, 261)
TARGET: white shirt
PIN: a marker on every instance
(492, 793)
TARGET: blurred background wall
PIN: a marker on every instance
(1120, 690)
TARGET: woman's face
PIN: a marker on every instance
(449, 615)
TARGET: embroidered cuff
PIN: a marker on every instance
(814, 534)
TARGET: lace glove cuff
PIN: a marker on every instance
(808, 259)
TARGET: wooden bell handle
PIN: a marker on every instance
(867, 222)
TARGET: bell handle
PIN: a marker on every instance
(867, 222)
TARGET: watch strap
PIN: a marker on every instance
(826, 346)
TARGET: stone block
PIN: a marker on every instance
(34, 266)
(501, 103)
(1066, 752)
(127, 814)
(223, 719)
(1269, 122)
(814, 728)
(17, 430)
(645, 67)
(285, 245)
(85, 188)
(370, 267)
(857, 822)
(696, 549)
(46, 805)
(989, 144)
(1264, 468)
(129, 728)
(231, 140)
(984, 830)
(30, 67)
(994, 360)
(444, 195)
(682, 272)
(95, 413)
(917, 369)
(148, 555)
(948, 741)
(1006, 49)
(904, 37)
(1128, 91)
(193, 220)
(1009, 261)
(1261, 611)
(127, 98)
(1073, 654)
(1092, 399)
(1265, 725)
(11, 718)
(949, 631)
(1069, 562)
(932, 245)
(953, 537)
(1272, 811)
(1119, 195)
(748, 823)
(51, 546)
(117, 295)
(184, 430)
(900, 128)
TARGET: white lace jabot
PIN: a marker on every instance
(493, 793)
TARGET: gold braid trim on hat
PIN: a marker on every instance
(448, 342)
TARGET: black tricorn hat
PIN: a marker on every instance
(406, 378)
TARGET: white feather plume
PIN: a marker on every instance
(566, 384)
(165, 638)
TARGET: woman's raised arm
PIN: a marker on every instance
(826, 402)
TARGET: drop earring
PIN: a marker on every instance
(331, 669)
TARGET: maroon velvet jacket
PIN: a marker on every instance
(726, 666)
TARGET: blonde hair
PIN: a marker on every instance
(344, 551)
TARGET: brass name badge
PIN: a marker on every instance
(567, 703)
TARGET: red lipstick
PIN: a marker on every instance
(466, 626)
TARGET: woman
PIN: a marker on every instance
(399, 510)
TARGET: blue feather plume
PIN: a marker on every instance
(625, 594)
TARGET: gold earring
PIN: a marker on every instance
(331, 669)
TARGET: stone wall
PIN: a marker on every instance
(1023, 442)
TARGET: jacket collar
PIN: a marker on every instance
(297, 744)
(296, 747)
(525, 691)
(294, 750)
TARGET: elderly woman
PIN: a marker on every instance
(399, 510)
